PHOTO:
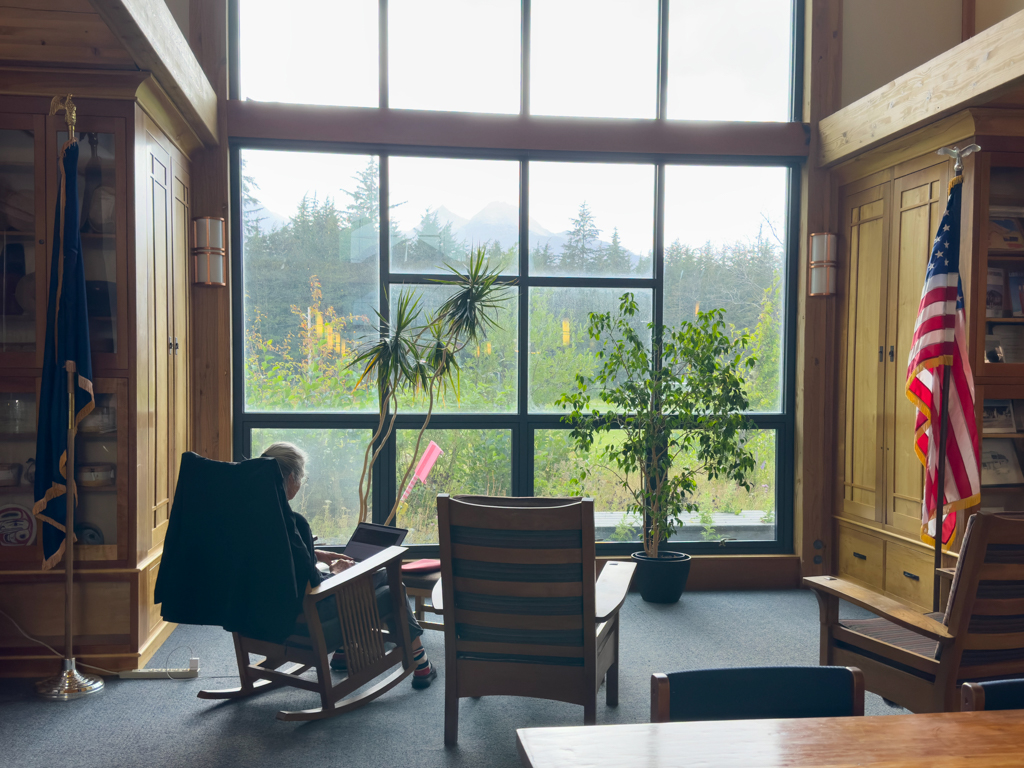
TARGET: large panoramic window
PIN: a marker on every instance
(333, 236)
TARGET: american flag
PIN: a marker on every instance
(940, 340)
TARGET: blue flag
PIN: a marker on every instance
(67, 338)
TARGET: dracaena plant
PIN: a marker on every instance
(675, 397)
(417, 353)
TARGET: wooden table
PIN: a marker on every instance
(950, 740)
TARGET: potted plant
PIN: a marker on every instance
(675, 398)
(416, 352)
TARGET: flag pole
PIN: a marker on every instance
(70, 683)
(940, 482)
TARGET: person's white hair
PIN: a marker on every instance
(290, 458)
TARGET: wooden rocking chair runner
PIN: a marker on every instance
(341, 611)
(919, 661)
(522, 613)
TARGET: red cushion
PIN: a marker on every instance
(422, 566)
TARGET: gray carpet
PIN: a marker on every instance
(162, 723)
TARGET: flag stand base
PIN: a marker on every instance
(69, 684)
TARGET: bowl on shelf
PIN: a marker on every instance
(10, 474)
(102, 418)
(17, 526)
(95, 475)
(17, 413)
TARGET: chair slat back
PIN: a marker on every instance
(521, 572)
(986, 604)
(361, 627)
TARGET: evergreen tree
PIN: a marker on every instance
(616, 260)
(582, 248)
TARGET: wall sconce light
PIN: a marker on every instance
(209, 255)
(821, 277)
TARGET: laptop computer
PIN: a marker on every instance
(368, 539)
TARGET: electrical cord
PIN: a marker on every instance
(54, 651)
(51, 648)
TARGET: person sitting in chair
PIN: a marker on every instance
(292, 461)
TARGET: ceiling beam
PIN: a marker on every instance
(459, 130)
(972, 73)
(149, 33)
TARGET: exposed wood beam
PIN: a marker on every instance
(972, 73)
(210, 309)
(149, 33)
(815, 354)
(417, 128)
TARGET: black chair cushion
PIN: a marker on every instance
(746, 693)
(1004, 694)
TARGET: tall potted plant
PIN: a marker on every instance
(418, 352)
(675, 397)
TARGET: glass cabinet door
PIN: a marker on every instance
(22, 321)
(1001, 311)
(102, 224)
(101, 473)
(20, 538)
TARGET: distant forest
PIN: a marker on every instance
(315, 279)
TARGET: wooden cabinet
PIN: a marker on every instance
(890, 202)
(134, 199)
(889, 222)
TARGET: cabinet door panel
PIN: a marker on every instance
(922, 197)
(865, 331)
(179, 305)
(160, 369)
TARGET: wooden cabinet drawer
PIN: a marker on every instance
(860, 557)
(909, 574)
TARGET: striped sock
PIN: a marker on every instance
(422, 663)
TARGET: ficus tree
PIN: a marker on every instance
(677, 397)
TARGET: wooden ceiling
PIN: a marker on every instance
(58, 33)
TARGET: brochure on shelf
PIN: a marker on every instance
(999, 463)
(994, 292)
(997, 417)
(1005, 234)
(1011, 339)
(1016, 289)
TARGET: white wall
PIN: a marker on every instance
(883, 39)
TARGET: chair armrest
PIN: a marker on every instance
(880, 605)
(383, 559)
(611, 588)
(437, 598)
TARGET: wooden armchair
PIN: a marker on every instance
(341, 611)
(522, 613)
(756, 693)
(919, 661)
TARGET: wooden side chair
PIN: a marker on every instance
(995, 694)
(919, 661)
(523, 615)
(341, 611)
(755, 693)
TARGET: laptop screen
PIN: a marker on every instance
(368, 539)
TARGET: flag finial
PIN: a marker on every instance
(958, 155)
(65, 104)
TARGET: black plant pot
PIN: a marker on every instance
(661, 579)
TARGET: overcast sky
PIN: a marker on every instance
(727, 60)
